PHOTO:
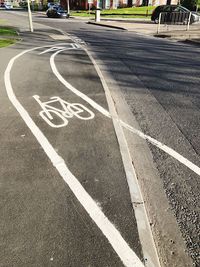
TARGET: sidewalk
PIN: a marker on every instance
(146, 27)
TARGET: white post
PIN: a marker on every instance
(114, 4)
(188, 26)
(68, 7)
(159, 20)
(97, 15)
(30, 16)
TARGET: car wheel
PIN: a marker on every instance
(185, 22)
(156, 21)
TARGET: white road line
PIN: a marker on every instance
(153, 141)
(74, 90)
(163, 147)
(51, 49)
(143, 225)
(60, 48)
(66, 111)
(127, 256)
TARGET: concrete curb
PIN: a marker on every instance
(180, 37)
(106, 25)
(193, 41)
(13, 37)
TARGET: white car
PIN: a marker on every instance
(8, 6)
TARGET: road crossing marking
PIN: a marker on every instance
(76, 39)
(59, 37)
(59, 48)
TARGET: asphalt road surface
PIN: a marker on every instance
(86, 218)
(155, 87)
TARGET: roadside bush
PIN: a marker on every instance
(44, 7)
(23, 4)
(34, 7)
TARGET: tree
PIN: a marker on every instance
(190, 4)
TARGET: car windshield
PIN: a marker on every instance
(179, 9)
(166, 9)
(59, 8)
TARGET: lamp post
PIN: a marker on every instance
(68, 7)
(147, 12)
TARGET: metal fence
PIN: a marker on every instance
(174, 18)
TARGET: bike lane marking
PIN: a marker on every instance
(125, 253)
(69, 110)
(144, 229)
(56, 159)
(143, 225)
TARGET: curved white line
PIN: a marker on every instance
(126, 254)
(153, 141)
(73, 89)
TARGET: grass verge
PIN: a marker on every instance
(7, 31)
(7, 36)
(131, 12)
(6, 42)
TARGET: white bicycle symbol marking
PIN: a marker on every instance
(69, 110)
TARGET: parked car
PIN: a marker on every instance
(8, 6)
(170, 9)
(50, 4)
(56, 12)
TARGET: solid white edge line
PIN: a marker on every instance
(143, 225)
(126, 254)
(163, 147)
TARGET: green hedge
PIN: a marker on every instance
(34, 7)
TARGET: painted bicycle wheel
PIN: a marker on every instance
(53, 118)
(80, 111)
